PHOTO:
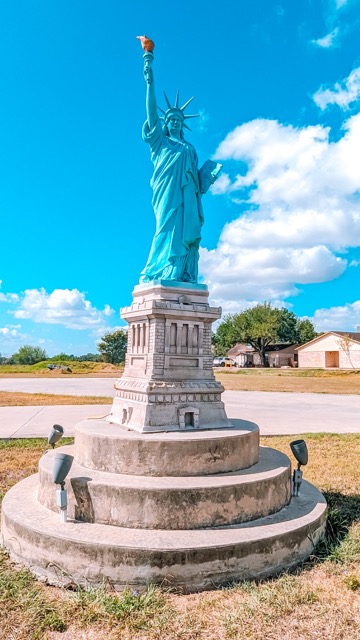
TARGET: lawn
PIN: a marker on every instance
(18, 399)
(77, 369)
(291, 380)
(320, 600)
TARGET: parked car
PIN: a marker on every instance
(223, 362)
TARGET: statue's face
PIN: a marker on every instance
(174, 124)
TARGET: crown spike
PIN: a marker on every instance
(196, 115)
(162, 110)
(187, 103)
(186, 127)
(177, 99)
(167, 101)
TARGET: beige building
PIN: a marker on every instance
(278, 355)
(334, 349)
(283, 356)
(243, 354)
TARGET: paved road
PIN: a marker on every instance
(275, 413)
(66, 386)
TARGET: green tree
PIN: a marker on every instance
(29, 355)
(112, 346)
(260, 327)
(225, 336)
(61, 357)
(287, 326)
(305, 331)
(88, 357)
(257, 326)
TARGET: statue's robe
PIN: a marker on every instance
(178, 210)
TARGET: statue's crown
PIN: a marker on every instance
(176, 109)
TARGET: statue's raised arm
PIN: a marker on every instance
(151, 106)
(177, 186)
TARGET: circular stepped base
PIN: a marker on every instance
(87, 553)
(185, 502)
(113, 448)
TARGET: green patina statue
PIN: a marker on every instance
(177, 184)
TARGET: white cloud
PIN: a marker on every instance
(343, 318)
(221, 185)
(264, 273)
(11, 338)
(8, 297)
(300, 197)
(337, 23)
(9, 333)
(201, 123)
(108, 311)
(330, 40)
(343, 93)
(63, 306)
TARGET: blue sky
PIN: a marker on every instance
(277, 85)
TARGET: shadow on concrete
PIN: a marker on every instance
(84, 510)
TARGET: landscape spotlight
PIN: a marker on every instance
(55, 434)
(299, 449)
(62, 466)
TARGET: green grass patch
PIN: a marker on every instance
(25, 607)
(42, 367)
(136, 609)
(35, 444)
(32, 609)
(339, 544)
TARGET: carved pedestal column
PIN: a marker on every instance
(168, 382)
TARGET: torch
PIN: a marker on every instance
(148, 47)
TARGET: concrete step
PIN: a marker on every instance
(185, 502)
(87, 553)
(116, 449)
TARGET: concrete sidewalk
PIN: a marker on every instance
(36, 422)
(275, 413)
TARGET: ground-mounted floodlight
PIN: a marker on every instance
(299, 449)
(55, 434)
(62, 466)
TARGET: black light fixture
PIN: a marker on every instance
(62, 466)
(55, 434)
(300, 451)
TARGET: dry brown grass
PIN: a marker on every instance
(78, 370)
(19, 399)
(333, 459)
(115, 373)
(320, 601)
(290, 380)
(18, 460)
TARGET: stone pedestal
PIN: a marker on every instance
(189, 509)
(168, 383)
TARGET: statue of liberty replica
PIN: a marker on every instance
(168, 382)
(177, 186)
